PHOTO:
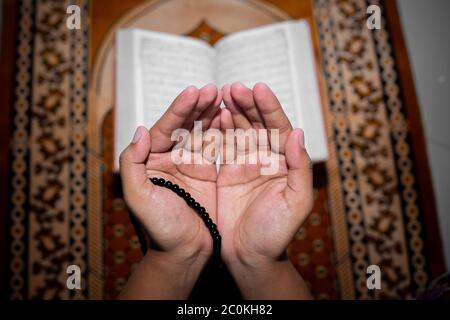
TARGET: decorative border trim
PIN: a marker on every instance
(49, 144)
(78, 147)
(337, 212)
(20, 153)
(404, 164)
(426, 200)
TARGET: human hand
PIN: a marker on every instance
(258, 215)
(255, 230)
(174, 228)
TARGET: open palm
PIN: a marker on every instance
(259, 214)
(170, 222)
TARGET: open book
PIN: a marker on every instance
(154, 67)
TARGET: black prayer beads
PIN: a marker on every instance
(201, 211)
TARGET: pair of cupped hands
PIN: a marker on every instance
(257, 215)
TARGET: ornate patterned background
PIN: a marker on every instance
(48, 167)
(366, 196)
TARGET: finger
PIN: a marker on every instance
(226, 119)
(245, 139)
(246, 146)
(243, 97)
(212, 139)
(272, 113)
(211, 111)
(173, 118)
(300, 178)
(228, 141)
(215, 122)
(239, 118)
(132, 162)
(207, 97)
(212, 143)
(207, 107)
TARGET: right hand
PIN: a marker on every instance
(172, 225)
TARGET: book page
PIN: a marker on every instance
(152, 69)
(281, 56)
(166, 65)
(258, 55)
(308, 93)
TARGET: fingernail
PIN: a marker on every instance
(301, 138)
(208, 85)
(137, 135)
(190, 88)
(260, 84)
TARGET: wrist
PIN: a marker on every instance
(178, 263)
(181, 251)
(254, 265)
(267, 278)
(245, 259)
(159, 269)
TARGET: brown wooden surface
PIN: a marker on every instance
(424, 183)
(106, 13)
(6, 103)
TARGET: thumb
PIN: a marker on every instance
(132, 161)
(300, 177)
